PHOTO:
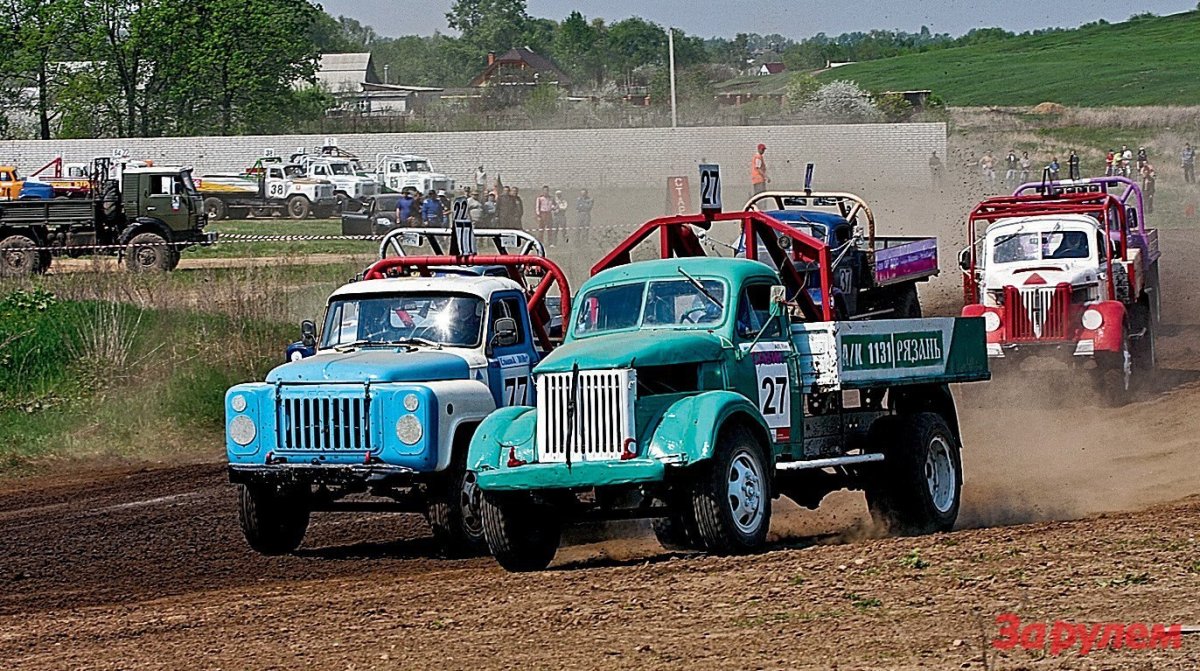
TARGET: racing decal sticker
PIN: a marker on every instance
(515, 386)
(774, 386)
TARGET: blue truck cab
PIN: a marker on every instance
(405, 369)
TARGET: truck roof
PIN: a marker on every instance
(154, 169)
(736, 270)
(474, 285)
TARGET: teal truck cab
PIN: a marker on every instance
(695, 390)
(405, 368)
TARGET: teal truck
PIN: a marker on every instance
(694, 391)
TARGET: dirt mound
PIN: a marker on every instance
(1049, 108)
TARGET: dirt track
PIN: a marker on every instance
(146, 570)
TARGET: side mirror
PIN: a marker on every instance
(778, 301)
(308, 333)
(505, 332)
(964, 260)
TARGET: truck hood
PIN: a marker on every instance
(384, 364)
(654, 347)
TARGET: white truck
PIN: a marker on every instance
(268, 188)
(399, 171)
(350, 188)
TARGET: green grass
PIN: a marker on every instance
(1147, 61)
(231, 248)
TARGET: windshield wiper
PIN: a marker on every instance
(700, 287)
(418, 341)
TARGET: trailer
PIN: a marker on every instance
(694, 391)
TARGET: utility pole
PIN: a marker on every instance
(671, 60)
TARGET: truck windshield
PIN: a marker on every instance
(1040, 246)
(417, 166)
(294, 171)
(341, 169)
(440, 319)
(676, 304)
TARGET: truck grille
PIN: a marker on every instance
(324, 423)
(603, 418)
(1037, 313)
(325, 192)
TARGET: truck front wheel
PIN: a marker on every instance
(918, 487)
(521, 534)
(731, 495)
(215, 208)
(273, 521)
(1114, 374)
(150, 252)
(297, 207)
(454, 515)
(19, 256)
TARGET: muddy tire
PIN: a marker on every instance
(731, 495)
(918, 487)
(19, 257)
(298, 207)
(150, 252)
(454, 515)
(521, 535)
(677, 532)
(215, 208)
(1114, 375)
(272, 521)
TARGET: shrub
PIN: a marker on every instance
(842, 102)
(801, 88)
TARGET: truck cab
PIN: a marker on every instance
(349, 188)
(405, 369)
(693, 391)
(398, 171)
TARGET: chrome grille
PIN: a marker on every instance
(603, 419)
(324, 423)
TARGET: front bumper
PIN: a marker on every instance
(1058, 349)
(579, 475)
(325, 474)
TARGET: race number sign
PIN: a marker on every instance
(774, 392)
(710, 188)
(464, 232)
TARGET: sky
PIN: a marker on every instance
(796, 19)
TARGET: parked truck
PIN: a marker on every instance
(694, 391)
(147, 218)
(349, 188)
(1063, 276)
(873, 275)
(13, 187)
(405, 369)
(269, 188)
(409, 171)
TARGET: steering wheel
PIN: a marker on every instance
(690, 317)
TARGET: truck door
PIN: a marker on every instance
(167, 201)
(766, 373)
(509, 366)
(276, 185)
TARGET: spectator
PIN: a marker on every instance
(583, 211)
(504, 208)
(758, 170)
(480, 181)
(431, 210)
(1149, 177)
(543, 212)
(1011, 164)
(1142, 158)
(518, 215)
(1126, 160)
(1026, 166)
(474, 209)
(446, 210)
(559, 208)
(1188, 162)
(1054, 168)
(1110, 163)
(1073, 166)
(489, 211)
(404, 207)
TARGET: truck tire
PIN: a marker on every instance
(19, 256)
(918, 488)
(522, 535)
(272, 521)
(908, 304)
(215, 208)
(149, 252)
(297, 207)
(453, 514)
(677, 532)
(731, 495)
(110, 200)
(1114, 375)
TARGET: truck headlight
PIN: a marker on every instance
(242, 430)
(1092, 319)
(991, 321)
(408, 430)
(238, 403)
(411, 402)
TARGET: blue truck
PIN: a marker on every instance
(406, 367)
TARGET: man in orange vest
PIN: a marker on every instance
(758, 170)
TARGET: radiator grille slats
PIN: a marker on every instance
(1037, 313)
(323, 423)
(603, 420)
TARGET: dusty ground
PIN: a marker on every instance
(147, 570)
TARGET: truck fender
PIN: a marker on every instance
(504, 434)
(935, 398)
(459, 403)
(144, 225)
(689, 427)
(1111, 335)
(977, 310)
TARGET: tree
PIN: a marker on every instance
(37, 37)
(801, 88)
(842, 102)
(489, 25)
(579, 48)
